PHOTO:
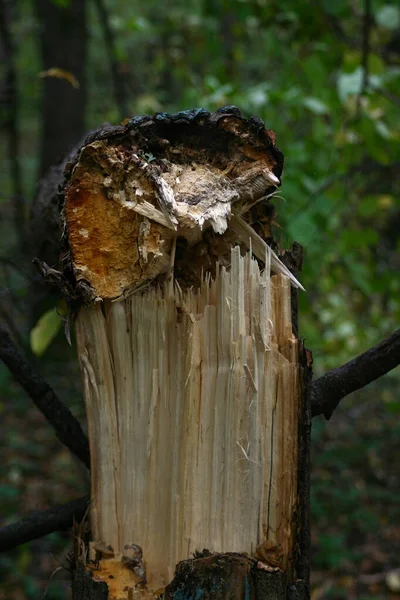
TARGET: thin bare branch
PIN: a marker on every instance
(67, 428)
(42, 522)
(389, 96)
(328, 390)
(119, 88)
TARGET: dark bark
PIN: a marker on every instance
(294, 261)
(63, 45)
(67, 428)
(209, 576)
(303, 519)
(42, 522)
(222, 576)
(84, 587)
(328, 390)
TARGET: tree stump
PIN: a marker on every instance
(195, 384)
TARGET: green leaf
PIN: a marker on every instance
(44, 332)
(316, 106)
(258, 96)
(349, 84)
(388, 16)
(365, 237)
(383, 130)
(334, 8)
(359, 275)
(368, 206)
(376, 65)
(393, 407)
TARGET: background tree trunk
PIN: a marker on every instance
(63, 45)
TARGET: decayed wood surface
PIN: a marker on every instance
(143, 197)
(191, 371)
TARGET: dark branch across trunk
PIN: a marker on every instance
(42, 522)
(328, 390)
(67, 428)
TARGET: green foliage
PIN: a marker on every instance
(45, 331)
(61, 3)
(388, 16)
(333, 551)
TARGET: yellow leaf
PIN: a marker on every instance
(385, 201)
(61, 74)
(393, 580)
(44, 332)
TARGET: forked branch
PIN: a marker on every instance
(109, 40)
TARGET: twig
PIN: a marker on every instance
(328, 390)
(5, 317)
(42, 522)
(119, 91)
(368, 167)
(67, 428)
(365, 52)
(389, 96)
(334, 25)
(10, 263)
(10, 123)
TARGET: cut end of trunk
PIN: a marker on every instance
(140, 198)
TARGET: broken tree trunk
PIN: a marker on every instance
(195, 385)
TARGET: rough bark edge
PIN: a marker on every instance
(67, 428)
(328, 390)
(209, 576)
(304, 535)
(42, 522)
(222, 576)
(84, 587)
(301, 588)
(198, 116)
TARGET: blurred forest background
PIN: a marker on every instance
(325, 76)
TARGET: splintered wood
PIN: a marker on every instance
(192, 400)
